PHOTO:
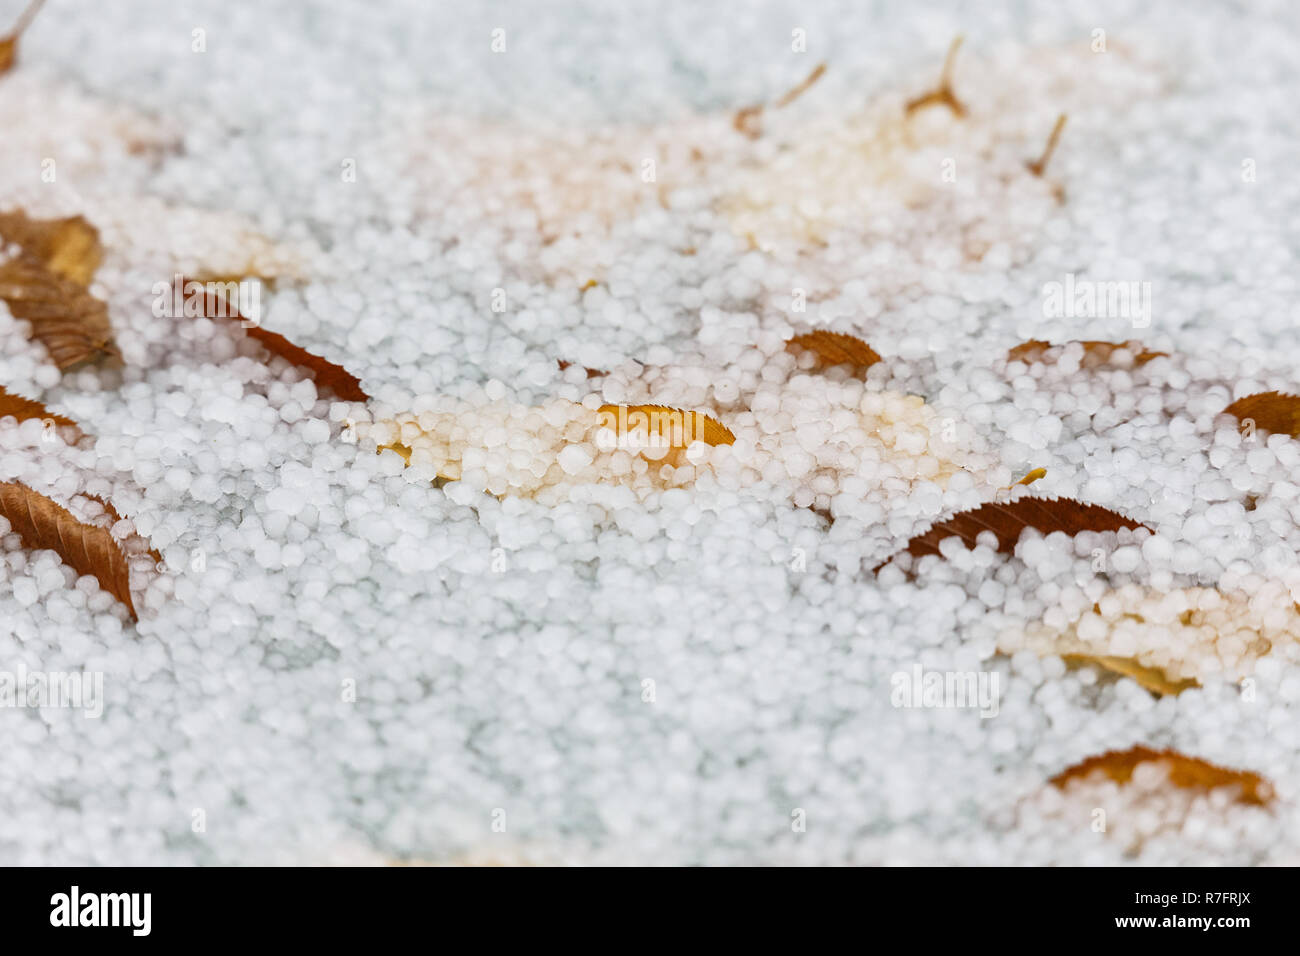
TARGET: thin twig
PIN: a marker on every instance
(1039, 165)
(748, 119)
(25, 18)
(798, 91)
(943, 94)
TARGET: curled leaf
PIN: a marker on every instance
(115, 517)
(326, 373)
(1275, 412)
(1032, 476)
(87, 549)
(25, 408)
(46, 284)
(1185, 772)
(834, 348)
(335, 377)
(67, 247)
(1095, 353)
(1152, 678)
(1008, 521)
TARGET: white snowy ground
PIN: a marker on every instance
(500, 648)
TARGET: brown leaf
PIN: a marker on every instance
(9, 42)
(114, 517)
(46, 285)
(67, 247)
(334, 377)
(834, 348)
(1275, 412)
(1095, 353)
(1152, 678)
(1184, 771)
(591, 372)
(26, 408)
(87, 549)
(1007, 521)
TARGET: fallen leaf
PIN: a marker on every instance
(335, 377)
(67, 247)
(71, 323)
(1032, 476)
(1179, 633)
(663, 429)
(834, 348)
(115, 517)
(1152, 678)
(591, 372)
(87, 549)
(9, 42)
(1186, 772)
(1007, 521)
(1095, 353)
(1275, 412)
(46, 285)
(326, 373)
(25, 408)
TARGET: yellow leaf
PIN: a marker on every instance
(1152, 678)
(1185, 772)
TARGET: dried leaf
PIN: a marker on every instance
(67, 247)
(1152, 678)
(1176, 632)
(9, 42)
(1007, 521)
(591, 372)
(1032, 476)
(1275, 412)
(71, 323)
(334, 377)
(673, 426)
(1094, 353)
(42, 523)
(26, 408)
(46, 285)
(943, 94)
(1184, 771)
(835, 348)
(115, 517)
